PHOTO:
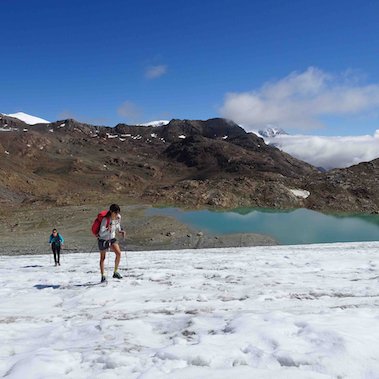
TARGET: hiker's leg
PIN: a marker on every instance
(59, 255)
(55, 255)
(116, 248)
(102, 259)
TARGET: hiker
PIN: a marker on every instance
(56, 241)
(110, 224)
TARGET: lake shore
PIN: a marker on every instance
(26, 231)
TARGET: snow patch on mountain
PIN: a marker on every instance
(155, 123)
(27, 118)
(271, 132)
(303, 194)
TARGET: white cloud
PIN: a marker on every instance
(330, 152)
(300, 99)
(129, 110)
(154, 72)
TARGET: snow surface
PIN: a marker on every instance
(7, 129)
(307, 311)
(300, 193)
(31, 120)
(155, 123)
(271, 132)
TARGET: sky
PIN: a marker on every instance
(309, 67)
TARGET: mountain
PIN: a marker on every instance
(352, 189)
(28, 119)
(193, 163)
(271, 132)
(7, 122)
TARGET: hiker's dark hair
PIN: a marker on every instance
(113, 208)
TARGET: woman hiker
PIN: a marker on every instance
(56, 241)
(110, 223)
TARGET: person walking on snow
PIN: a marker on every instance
(110, 224)
(56, 241)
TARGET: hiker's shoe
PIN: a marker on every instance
(103, 279)
(56, 264)
(59, 264)
(116, 275)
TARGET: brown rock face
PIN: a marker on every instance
(190, 163)
(11, 122)
(352, 189)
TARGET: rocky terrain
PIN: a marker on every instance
(352, 189)
(26, 230)
(213, 163)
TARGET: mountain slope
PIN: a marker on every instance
(352, 189)
(187, 162)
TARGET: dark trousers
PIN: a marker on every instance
(57, 252)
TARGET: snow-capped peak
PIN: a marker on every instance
(155, 123)
(29, 119)
(271, 132)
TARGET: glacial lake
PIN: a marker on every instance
(291, 227)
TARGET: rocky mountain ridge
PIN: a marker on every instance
(271, 132)
(190, 163)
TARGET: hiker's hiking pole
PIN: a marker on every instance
(93, 246)
(108, 252)
(60, 255)
(126, 255)
(124, 248)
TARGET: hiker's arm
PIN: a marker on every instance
(119, 227)
(103, 226)
(104, 229)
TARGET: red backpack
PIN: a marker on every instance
(97, 222)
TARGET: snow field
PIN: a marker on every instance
(29, 119)
(265, 312)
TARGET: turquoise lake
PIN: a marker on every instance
(300, 226)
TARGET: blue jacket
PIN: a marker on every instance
(57, 240)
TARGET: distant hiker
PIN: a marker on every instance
(56, 241)
(105, 227)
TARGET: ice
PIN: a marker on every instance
(155, 123)
(300, 193)
(267, 312)
(28, 119)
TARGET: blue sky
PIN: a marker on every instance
(133, 61)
